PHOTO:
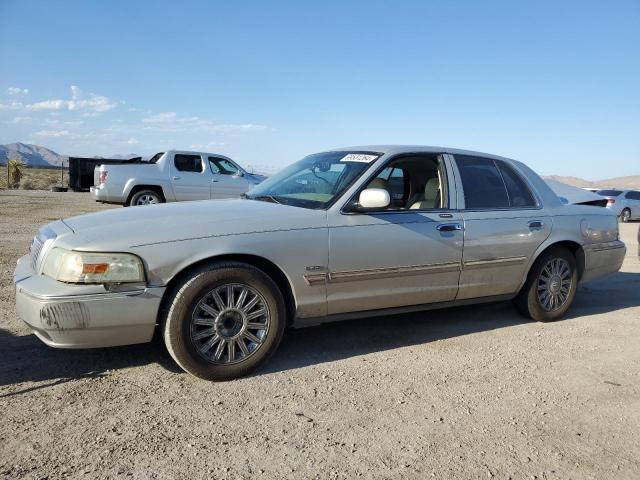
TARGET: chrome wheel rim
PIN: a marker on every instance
(229, 324)
(554, 284)
(147, 199)
(626, 215)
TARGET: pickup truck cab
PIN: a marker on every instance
(173, 176)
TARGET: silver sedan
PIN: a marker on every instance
(354, 232)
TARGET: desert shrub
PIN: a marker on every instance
(15, 172)
(27, 184)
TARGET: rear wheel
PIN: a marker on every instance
(145, 197)
(224, 321)
(550, 287)
(625, 216)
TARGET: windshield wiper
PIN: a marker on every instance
(264, 198)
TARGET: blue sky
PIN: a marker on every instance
(555, 84)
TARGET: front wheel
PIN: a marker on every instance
(224, 321)
(550, 287)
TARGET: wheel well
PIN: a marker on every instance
(271, 269)
(576, 249)
(138, 188)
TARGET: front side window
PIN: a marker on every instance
(315, 181)
(188, 163)
(222, 166)
(482, 183)
(414, 182)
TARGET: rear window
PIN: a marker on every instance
(188, 163)
(609, 193)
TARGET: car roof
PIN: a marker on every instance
(399, 149)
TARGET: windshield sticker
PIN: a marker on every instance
(359, 157)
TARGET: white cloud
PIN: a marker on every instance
(20, 120)
(132, 141)
(161, 118)
(17, 91)
(171, 121)
(52, 133)
(80, 101)
(11, 106)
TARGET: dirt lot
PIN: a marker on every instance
(474, 392)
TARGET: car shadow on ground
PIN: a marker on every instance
(336, 341)
(27, 359)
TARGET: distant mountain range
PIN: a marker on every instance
(622, 183)
(37, 156)
(32, 155)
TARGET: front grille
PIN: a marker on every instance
(35, 250)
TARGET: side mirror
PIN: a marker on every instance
(371, 198)
(239, 173)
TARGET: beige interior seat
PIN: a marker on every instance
(432, 197)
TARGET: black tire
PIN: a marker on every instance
(625, 215)
(59, 189)
(528, 301)
(179, 324)
(145, 197)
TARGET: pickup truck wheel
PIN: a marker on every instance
(224, 321)
(550, 287)
(145, 197)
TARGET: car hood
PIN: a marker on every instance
(151, 224)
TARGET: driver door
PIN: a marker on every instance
(228, 180)
(409, 254)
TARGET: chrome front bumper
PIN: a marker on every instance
(602, 259)
(84, 316)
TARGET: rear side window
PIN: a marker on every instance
(633, 195)
(188, 163)
(519, 194)
(482, 183)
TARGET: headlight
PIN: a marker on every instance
(84, 267)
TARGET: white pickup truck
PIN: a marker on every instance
(172, 176)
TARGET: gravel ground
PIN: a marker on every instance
(473, 392)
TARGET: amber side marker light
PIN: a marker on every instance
(95, 267)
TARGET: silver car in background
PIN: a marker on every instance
(624, 203)
(173, 176)
(347, 233)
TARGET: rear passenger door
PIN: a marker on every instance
(504, 224)
(189, 177)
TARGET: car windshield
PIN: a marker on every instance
(315, 181)
(609, 193)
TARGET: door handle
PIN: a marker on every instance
(536, 225)
(449, 227)
(214, 180)
(175, 177)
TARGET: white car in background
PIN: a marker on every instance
(624, 203)
(173, 176)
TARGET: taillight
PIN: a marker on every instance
(610, 201)
(102, 178)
